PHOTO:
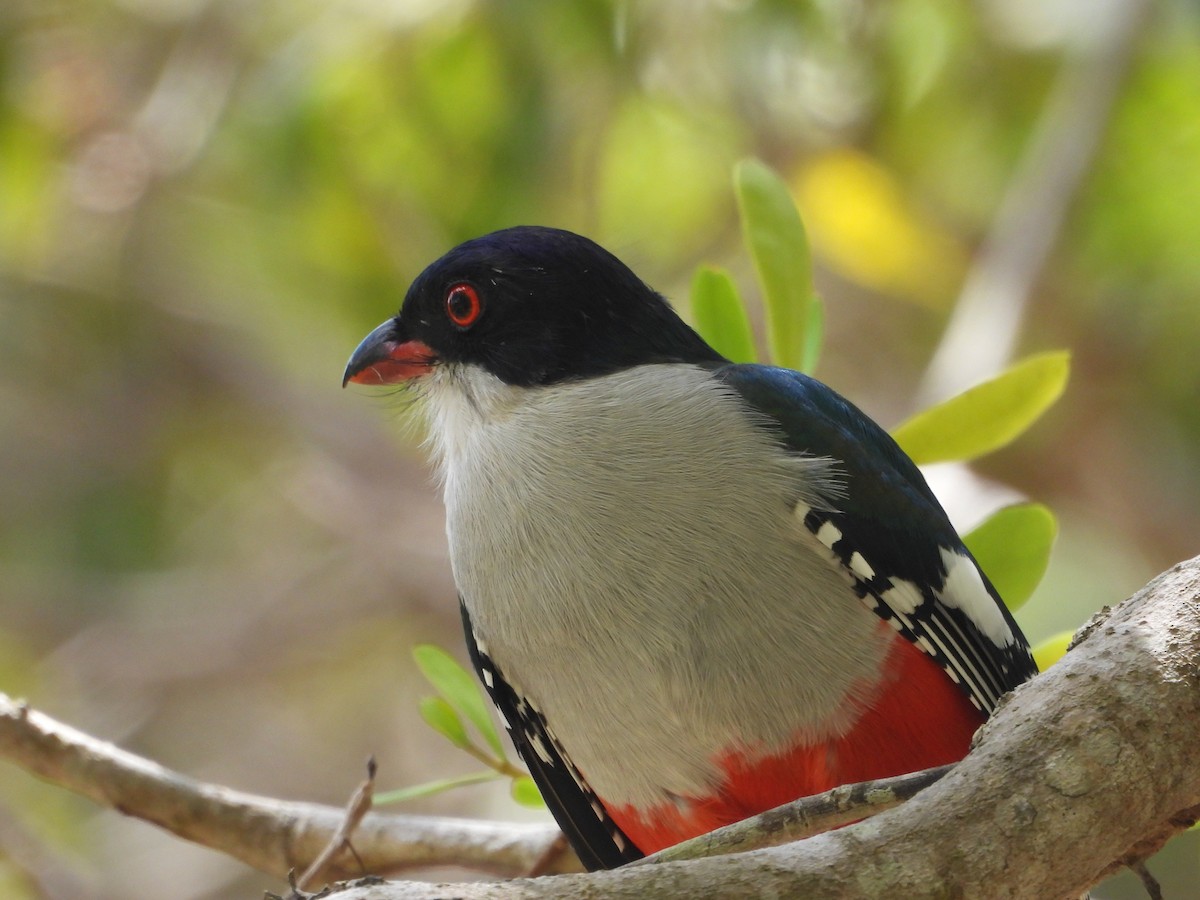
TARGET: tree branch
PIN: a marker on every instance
(1083, 770)
(276, 836)
(1086, 768)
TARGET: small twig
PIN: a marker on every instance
(359, 806)
(803, 818)
(1149, 882)
(556, 849)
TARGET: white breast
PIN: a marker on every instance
(626, 547)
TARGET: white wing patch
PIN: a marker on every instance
(963, 589)
(539, 748)
(859, 566)
(829, 534)
(903, 596)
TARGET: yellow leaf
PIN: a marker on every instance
(860, 221)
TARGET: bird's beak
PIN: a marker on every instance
(385, 357)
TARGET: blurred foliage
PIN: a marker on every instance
(211, 555)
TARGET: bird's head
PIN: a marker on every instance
(530, 306)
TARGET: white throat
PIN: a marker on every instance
(460, 402)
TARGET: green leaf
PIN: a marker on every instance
(988, 416)
(1013, 548)
(721, 316)
(814, 332)
(525, 792)
(1052, 649)
(442, 718)
(775, 235)
(433, 787)
(460, 688)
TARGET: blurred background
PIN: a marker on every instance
(215, 557)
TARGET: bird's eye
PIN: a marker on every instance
(463, 305)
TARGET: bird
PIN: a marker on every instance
(694, 590)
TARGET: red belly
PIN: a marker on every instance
(917, 719)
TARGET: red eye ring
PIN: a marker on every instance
(463, 305)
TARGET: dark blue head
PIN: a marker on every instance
(531, 305)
